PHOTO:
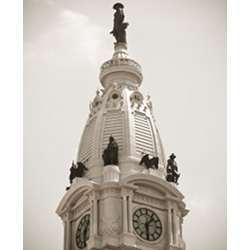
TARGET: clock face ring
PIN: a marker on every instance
(147, 224)
(82, 232)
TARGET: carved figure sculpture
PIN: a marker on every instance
(110, 154)
(119, 29)
(172, 170)
(149, 163)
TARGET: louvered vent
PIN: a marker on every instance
(87, 142)
(113, 125)
(143, 134)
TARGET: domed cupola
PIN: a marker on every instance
(120, 110)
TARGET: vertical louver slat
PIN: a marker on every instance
(113, 125)
(87, 142)
(143, 134)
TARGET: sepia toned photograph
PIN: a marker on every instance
(124, 125)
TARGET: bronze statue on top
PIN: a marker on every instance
(172, 170)
(119, 29)
(110, 154)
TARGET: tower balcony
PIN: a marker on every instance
(121, 69)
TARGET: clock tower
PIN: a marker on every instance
(123, 192)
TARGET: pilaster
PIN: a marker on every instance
(128, 239)
(67, 231)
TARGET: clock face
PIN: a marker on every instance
(147, 224)
(82, 233)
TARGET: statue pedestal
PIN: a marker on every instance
(111, 173)
(120, 51)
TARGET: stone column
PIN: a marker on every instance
(130, 225)
(68, 232)
(128, 238)
(173, 212)
(95, 219)
(125, 214)
(181, 221)
(64, 235)
(94, 196)
(91, 217)
(177, 226)
(111, 216)
(94, 239)
(170, 229)
(111, 213)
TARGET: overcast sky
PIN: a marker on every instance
(181, 46)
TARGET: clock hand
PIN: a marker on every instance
(87, 226)
(85, 230)
(151, 219)
(147, 229)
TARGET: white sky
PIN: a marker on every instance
(181, 46)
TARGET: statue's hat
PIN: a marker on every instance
(172, 156)
(118, 5)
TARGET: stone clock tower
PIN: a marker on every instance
(119, 197)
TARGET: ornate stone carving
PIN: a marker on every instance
(122, 61)
(95, 105)
(149, 102)
(136, 98)
(115, 99)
